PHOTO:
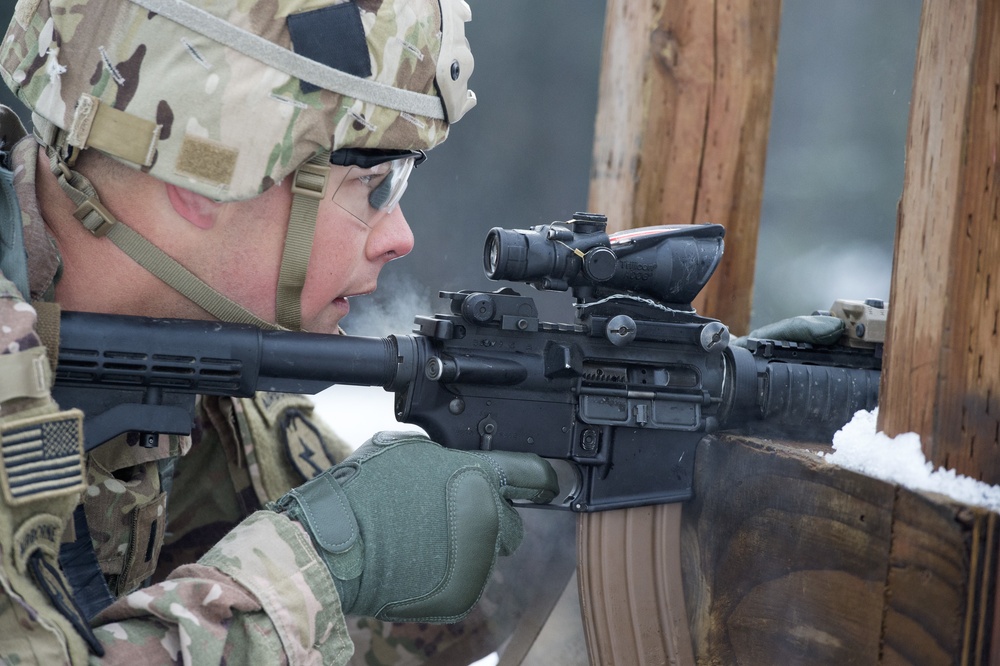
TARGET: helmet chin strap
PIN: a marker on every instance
(308, 188)
(309, 184)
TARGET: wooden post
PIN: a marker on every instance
(681, 132)
(682, 123)
(942, 369)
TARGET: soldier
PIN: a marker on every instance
(238, 160)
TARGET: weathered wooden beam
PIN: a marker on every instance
(941, 376)
(790, 560)
(682, 122)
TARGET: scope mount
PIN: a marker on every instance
(621, 319)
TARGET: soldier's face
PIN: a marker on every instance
(347, 255)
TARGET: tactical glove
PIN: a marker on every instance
(411, 530)
(814, 329)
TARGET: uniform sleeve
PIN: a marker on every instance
(41, 478)
(261, 595)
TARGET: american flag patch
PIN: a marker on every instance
(42, 457)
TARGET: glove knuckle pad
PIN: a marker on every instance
(474, 527)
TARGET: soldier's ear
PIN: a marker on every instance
(199, 210)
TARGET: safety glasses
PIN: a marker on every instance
(373, 182)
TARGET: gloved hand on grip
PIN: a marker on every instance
(814, 329)
(411, 530)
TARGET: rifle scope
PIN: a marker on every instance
(670, 264)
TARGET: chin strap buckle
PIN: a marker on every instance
(95, 217)
(311, 179)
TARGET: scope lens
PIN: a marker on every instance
(491, 257)
(513, 254)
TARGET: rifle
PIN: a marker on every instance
(617, 400)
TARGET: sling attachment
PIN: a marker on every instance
(47, 327)
(78, 604)
(26, 374)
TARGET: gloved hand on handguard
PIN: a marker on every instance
(814, 329)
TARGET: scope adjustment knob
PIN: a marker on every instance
(599, 264)
(589, 223)
(714, 336)
(620, 330)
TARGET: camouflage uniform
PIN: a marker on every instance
(240, 600)
(119, 78)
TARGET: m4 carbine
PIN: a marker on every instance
(617, 400)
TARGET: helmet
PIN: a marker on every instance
(227, 97)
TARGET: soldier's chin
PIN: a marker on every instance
(328, 319)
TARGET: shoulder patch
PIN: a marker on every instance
(308, 450)
(43, 532)
(273, 405)
(42, 457)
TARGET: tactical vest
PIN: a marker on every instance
(150, 510)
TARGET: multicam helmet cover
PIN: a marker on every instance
(228, 97)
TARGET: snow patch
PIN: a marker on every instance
(859, 447)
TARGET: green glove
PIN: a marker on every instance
(814, 329)
(411, 530)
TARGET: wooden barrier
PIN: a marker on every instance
(790, 560)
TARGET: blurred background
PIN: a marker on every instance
(522, 156)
